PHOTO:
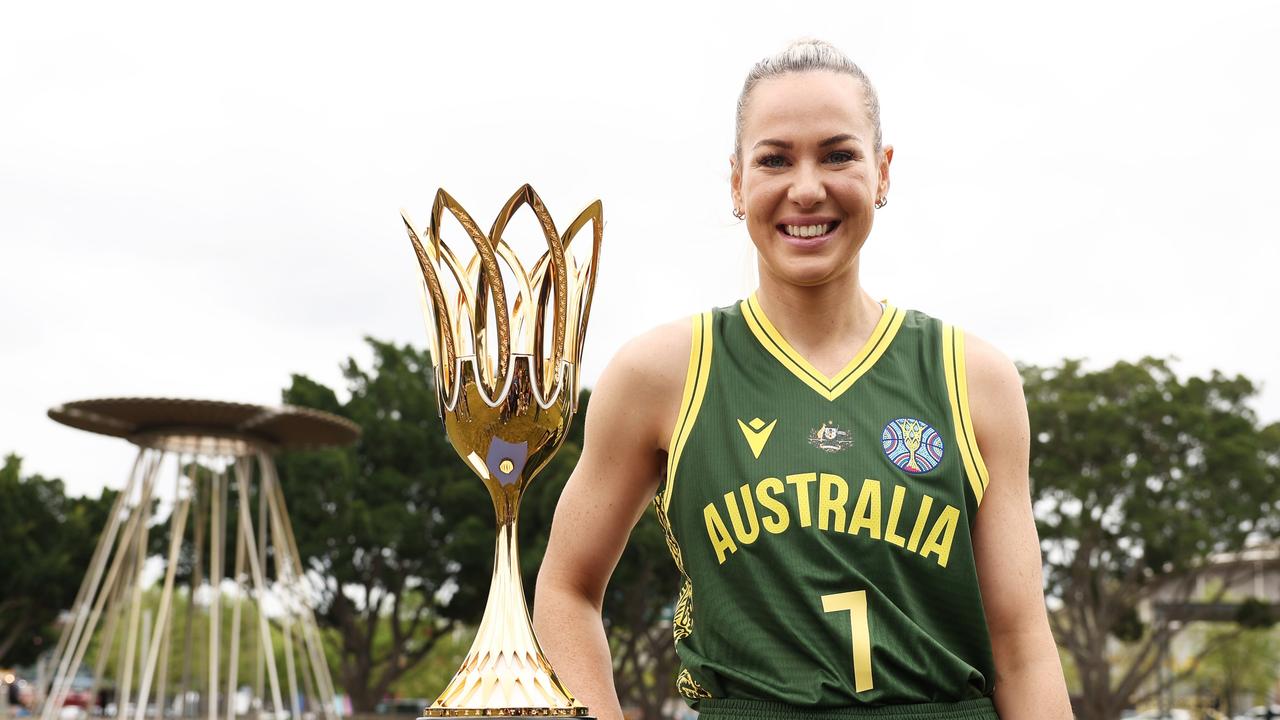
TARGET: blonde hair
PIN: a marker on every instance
(806, 55)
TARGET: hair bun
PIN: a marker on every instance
(802, 55)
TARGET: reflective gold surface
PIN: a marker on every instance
(507, 381)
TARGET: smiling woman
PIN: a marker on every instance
(810, 176)
(842, 483)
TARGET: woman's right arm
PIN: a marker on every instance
(629, 419)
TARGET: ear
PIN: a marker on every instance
(886, 157)
(735, 181)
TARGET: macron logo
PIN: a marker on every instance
(757, 434)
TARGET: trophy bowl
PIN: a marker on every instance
(506, 378)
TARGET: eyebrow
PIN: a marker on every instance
(833, 140)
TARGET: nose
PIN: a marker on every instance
(807, 188)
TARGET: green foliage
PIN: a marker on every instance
(46, 541)
(637, 612)
(638, 600)
(1240, 662)
(400, 531)
(1255, 614)
(1129, 626)
(188, 663)
(1138, 477)
(1148, 473)
(402, 534)
(429, 677)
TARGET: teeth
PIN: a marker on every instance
(807, 230)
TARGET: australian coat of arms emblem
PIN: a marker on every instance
(830, 438)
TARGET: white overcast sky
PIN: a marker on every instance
(198, 200)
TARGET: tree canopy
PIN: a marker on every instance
(400, 534)
(46, 541)
(1138, 477)
(391, 526)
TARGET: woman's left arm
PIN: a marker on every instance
(1029, 680)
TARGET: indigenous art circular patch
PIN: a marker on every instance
(913, 445)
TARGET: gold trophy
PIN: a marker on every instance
(507, 383)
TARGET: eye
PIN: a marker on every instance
(841, 156)
(771, 161)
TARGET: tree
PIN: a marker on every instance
(399, 536)
(1247, 662)
(1138, 477)
(398, 531)
(641, 593)
(638, 608)
(46, 541)
(370, 521)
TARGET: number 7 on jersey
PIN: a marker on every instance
(855, 603)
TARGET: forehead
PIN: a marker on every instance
(805, 104)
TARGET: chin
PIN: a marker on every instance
(809, 272)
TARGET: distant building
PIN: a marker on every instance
(1250, 585)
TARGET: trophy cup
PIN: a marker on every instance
(507, 384)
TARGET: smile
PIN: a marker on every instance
(808, 231)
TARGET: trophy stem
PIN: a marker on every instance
(505, 673)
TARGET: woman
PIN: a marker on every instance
(850, 533)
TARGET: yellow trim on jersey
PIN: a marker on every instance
(829, 388)
(958, 395)
(695, 388)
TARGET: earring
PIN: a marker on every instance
(882, 202)
(737, 212)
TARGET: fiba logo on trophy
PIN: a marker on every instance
(506, 378)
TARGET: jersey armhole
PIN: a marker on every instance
(695, 389)
(958, 397)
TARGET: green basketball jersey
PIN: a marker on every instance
(822, 525)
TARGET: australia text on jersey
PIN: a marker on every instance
(830, 514)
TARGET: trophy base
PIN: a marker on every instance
(516, 713)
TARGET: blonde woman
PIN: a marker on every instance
(843, 482)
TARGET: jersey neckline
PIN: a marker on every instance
(828, 387)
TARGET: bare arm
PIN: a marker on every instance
(631, 413)
(1029, 680)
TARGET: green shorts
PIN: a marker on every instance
(980, 709)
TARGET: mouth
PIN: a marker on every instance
(807, 235)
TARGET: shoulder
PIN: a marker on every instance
(653, 360)
(995, 386)
(998, 408)
(642, 384)
(992, 379)
(990, 392)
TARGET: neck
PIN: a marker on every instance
(826, 323)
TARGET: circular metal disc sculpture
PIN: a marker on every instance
(213, 461)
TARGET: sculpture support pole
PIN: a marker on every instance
(285, 539)
(216, 543)
(259, 665)
(162, 683)
(291, 672)
(89, 587)
(233, 658)
(70, 641)
(144, 649)
(260, 591)
(137, 547)
(308, 685)
(197, 581)
(108, 638)
(166, 599)
(136, 642)
(124, 559)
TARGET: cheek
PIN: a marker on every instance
(858, 202)
(857, 187)
(761, 193)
